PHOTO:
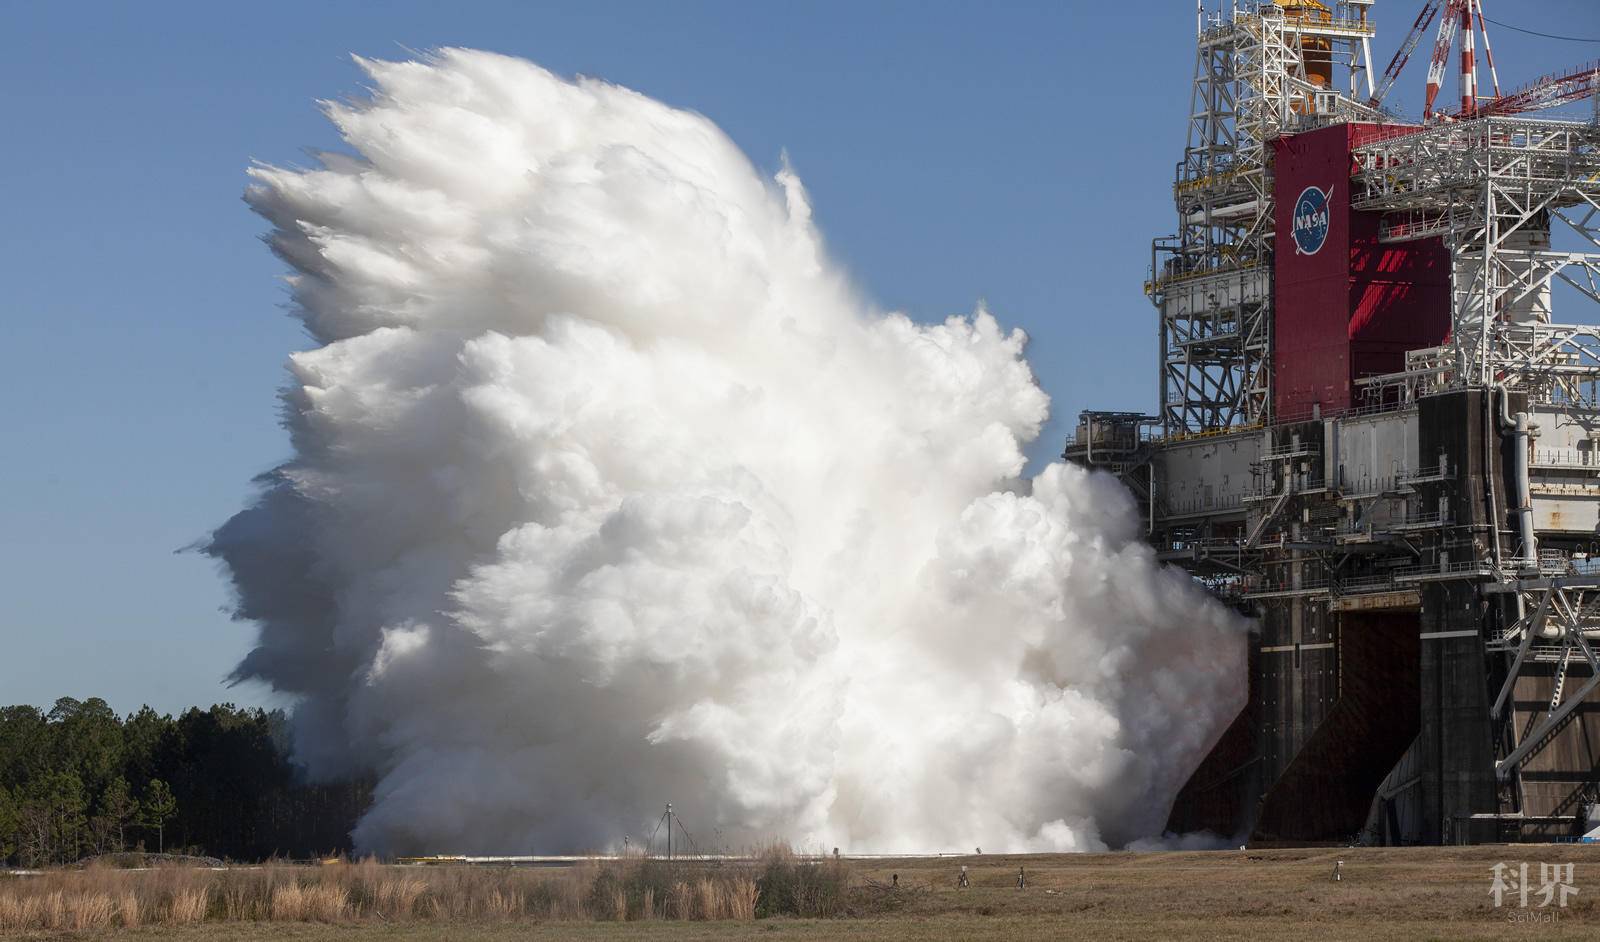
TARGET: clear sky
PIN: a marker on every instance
(1018, 153)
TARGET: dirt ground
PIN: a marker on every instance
(1396, 893)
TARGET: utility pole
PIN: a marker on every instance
(673, 823)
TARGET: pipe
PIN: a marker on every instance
(1488, 480)
(1530, 546)
(1521, 430)
(1495, 517)
(1232, 211)
(1152, 508)
(1556, 631)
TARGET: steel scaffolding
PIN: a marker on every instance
(1493, 189)
(1436, 535)
(1212, 281)
(1562, 619)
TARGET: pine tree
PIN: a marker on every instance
(158, 806)
(10, 823)
(53, 817)
(119, 809)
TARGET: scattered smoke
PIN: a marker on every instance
(1194, 840)
(608, 491)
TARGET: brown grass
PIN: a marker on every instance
(91, 910)
(1386, 894)
(188, 905)
(168, 896)
(128, 909)
(742, 894)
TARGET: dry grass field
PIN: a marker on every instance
(1400, 893)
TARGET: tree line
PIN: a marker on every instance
(79, 780)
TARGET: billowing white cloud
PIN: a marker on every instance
(608, 491)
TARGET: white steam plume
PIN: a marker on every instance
(609, 491)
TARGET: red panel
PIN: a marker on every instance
(1311, 341)
(1400, 300)
(1351, 307)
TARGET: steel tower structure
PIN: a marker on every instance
(1492, 189)
(1375, 437)
(1260, 70)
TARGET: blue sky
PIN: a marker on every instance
(1019, 153)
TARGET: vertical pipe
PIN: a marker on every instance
(1530, 547)
(1520, 429)
(1152, 495)
(1496, 518)
(1469, 57)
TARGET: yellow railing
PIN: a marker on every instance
(1213, 432)
(1368, 28)
(1155, 283)
(1206, 182)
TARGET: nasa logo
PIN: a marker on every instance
(1311, 220)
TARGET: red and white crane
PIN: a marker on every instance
(1558, 88)
(1430, 9)
(1465, 18)
(1488, 50)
